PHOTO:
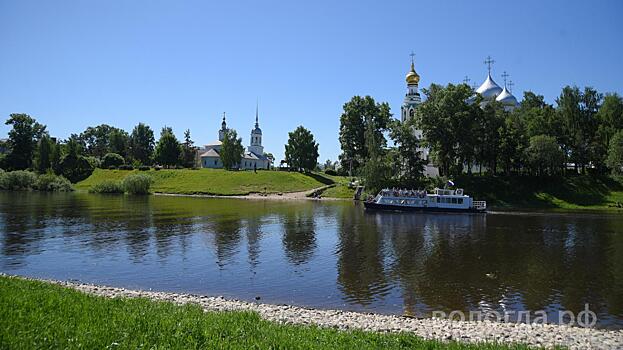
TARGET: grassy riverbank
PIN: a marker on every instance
(42, 315)
(215, 181)
(576, 192)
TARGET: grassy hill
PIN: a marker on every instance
(575, 192)
(215, 181)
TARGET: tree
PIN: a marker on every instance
(359, 115)
(544, 154)
(119, 142)
(513, 143)
(23, 139)
(43, 162)
(112, 159)
(142, 144)
(73, 166)
(301, 150)
(376, 171)
(410, 162)
(95, 140)
(231, 150)
(610, 117)
(615, 153)
(168, 150)
(188, 151)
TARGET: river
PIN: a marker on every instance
(329, 254)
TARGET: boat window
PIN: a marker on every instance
(460, 200)
(453, 200)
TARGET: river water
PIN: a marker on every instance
(330, 254)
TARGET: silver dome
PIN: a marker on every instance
(506, 98)
(489, 89)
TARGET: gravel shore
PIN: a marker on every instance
(537, 335)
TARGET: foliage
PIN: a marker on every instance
(168, 150)
(107, 186)
(98, 140)
(23, 139)
(544, 155)
(361, 114)
(74, 166)
(111, 159)
(42, 161)
(301, 150)
(52, 183)
(410, 165)
(189, 152)
(376, 171)
(18, 180)
(126, 167)
(137, 183)
(144, 168)
(142, 144)
(231, 150)
(119, 142)
(615, 153)
(331, 172)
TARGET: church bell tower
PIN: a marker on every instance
(412, 98)
(256, 136)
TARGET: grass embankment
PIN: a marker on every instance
(215, 181)
(42, 315)
(575, 192)
(341, 189)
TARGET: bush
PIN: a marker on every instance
(18, 180)
(330, 172)
(76, 168)
(107, 186)
(137, 183)
(112, 159)
(158, 167)
(144, 167)
(53, 183)
(179, 167)
(112, 167)
(126, 167)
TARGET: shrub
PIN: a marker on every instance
(18, 180)
(158, 167)
(137, 183)
(126, 167)
(112, 167)
(112, 159)
(179, 167)
(76, 168)
(144, 167)
(330, 172)
(107, 186)
(53, 183)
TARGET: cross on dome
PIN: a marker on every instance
(489, 62)
(504, 75)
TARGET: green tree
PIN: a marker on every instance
(376, 171)
(142, 144)
(43, 161)
(23, 139)
(112, 159)
(513, 143)
(301, 150)
(119, 142)
(168, 150)
(410, 165)
(615, 153)
(231, 150)
(610, 118)
(544, 155)
(361, 114)
(74, 166)
(95, 140)
(189, 152)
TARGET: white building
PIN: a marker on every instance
(254, 158)
(490, 90)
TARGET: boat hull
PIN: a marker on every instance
(393, 207)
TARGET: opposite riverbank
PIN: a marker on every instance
(70, 315)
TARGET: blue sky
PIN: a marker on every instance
(73, 64)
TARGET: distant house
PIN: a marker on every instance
(253, 158)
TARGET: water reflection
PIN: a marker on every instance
(320, 254)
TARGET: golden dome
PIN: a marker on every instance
(412, 77)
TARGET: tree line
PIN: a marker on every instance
(581, 133)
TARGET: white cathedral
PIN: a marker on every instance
(253, 158)
(488, 89)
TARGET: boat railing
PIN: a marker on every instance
(480, 205)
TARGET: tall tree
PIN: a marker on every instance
(95, 140)
(44, 153)
(301, 150)
(189, 151)
(376, 171)
(142, 144)
(119, 142)
(73, 165)
(544, 155)
(23, 138)
(410, 163)
(615, 153)
(361, 114)
(231, 150)
(168, 150)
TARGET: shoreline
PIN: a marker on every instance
(538, 335)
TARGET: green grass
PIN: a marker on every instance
(575, 192)
(215, 181)
(340, 190)
(42, 315)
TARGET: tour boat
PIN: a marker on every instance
(441, 200)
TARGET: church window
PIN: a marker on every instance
(411, 112)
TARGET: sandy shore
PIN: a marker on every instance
(538, 335)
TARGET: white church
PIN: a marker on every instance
(489, 90)
(254, 158)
